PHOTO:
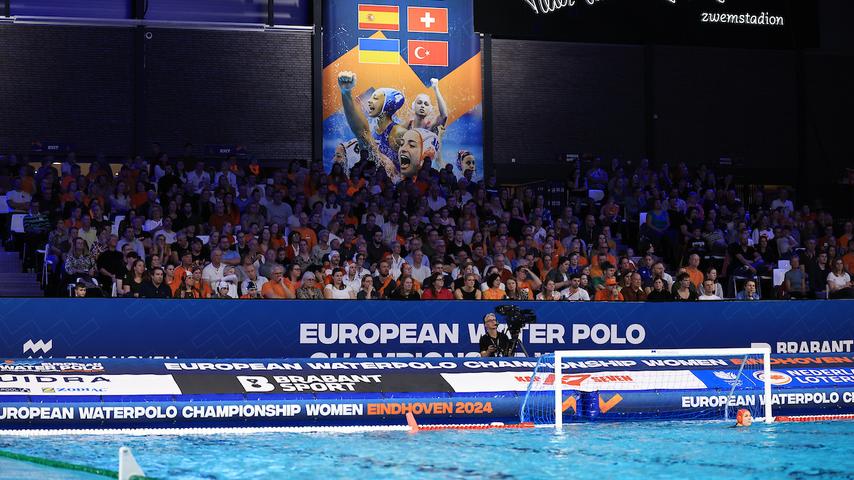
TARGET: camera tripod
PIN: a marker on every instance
(515, 344)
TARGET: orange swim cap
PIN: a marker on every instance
(739, 417)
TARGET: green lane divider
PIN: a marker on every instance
(66, 466)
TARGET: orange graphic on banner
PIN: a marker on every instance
(457, 86)
(570, 403)
(604, 407)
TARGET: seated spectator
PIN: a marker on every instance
(79, 262)
(749, 292)
(839, 282)
(367, 290)
(684, 291)
(36, 228)
(469, 290)
(712, 274)
(252, 292)
(80, 290)
(276, 288)
(610, 292)
(848, 258)
(709, 291)
(494, 290)
(187, 288)
(132, 285)
(693, 270)
(437, 290)
(511, 289)
(251, 276)
(155, 287)
(634, 292)
(221, 291)
(795, 281)
(574, 292)
(406, 290)
(548, 292)
(659, 293)
(817, 276)
(337, 290)
(308, 289)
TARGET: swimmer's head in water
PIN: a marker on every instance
(419, 146)
(744, 418)
(385, 101)
(422, 106)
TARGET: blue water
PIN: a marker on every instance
(596, 451)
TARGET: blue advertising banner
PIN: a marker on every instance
(396, 68)
(354, 329)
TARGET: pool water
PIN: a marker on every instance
(701, 450)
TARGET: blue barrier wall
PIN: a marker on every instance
(318, 329)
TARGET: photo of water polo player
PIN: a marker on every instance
(422, 110)
(386, 142)
(347, 154)
(387, 132)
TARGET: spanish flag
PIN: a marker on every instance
(379, 50)
(379, 17)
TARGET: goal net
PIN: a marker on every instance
(615, 385)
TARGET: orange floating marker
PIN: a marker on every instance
(410, 420)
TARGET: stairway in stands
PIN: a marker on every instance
(13, 283)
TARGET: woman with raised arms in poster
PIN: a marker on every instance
(382, 105)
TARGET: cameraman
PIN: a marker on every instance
(493, 343)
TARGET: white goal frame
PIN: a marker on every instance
(559, 355)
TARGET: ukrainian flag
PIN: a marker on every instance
(379, 51)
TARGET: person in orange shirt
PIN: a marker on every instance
(693, 271)
(610, 293)
(305, 231)
(276, 288)
(848, 258)
(200, 286)
(494, 292)
(174, 281)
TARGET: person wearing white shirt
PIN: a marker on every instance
(782, 201)
(395, 261)
(215, 270)
(709, 291)
(198, 177)
(421, 272)
(574, 292)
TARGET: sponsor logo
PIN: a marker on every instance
(14, 390)
(730, 378)
(307, 383)
(73, 390)
(39, 346)
(777, 378)
(51, 367)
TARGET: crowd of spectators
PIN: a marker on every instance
(159, 227)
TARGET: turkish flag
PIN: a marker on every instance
(428, 53)
(427, 20)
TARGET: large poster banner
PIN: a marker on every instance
(402, 87)
(367, 329)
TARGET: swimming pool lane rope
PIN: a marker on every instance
(65, 466)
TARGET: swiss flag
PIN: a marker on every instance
(428, 53)
(427, 20)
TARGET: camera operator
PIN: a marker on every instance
(493, 343)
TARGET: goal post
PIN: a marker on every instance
(682, 384)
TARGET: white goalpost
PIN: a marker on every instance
(732, 378)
